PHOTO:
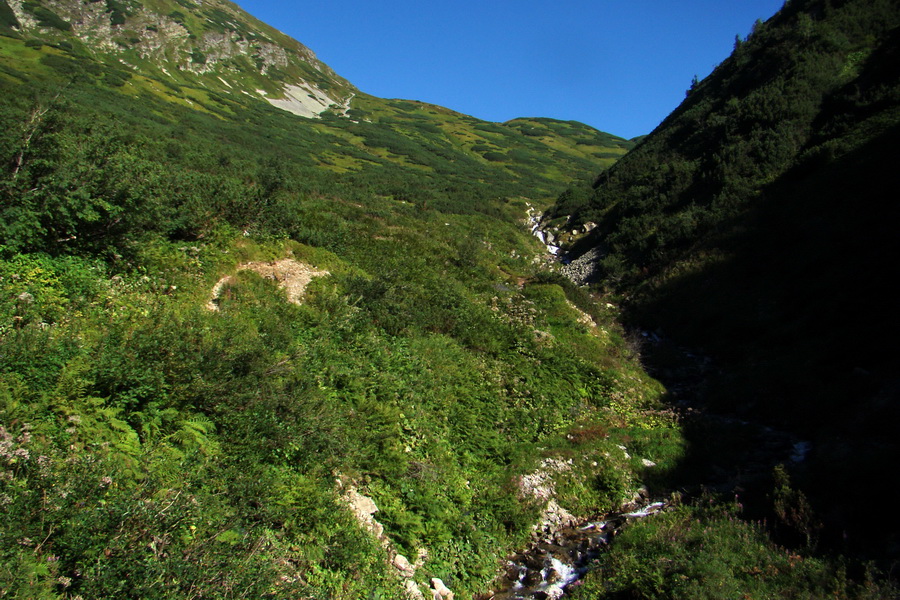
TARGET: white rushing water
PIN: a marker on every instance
(556, 576)
(545, 570)
(534, 219)
(646, 511)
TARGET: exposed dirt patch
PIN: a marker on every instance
(292, 276)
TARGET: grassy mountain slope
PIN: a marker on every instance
(213, 43)
(147, 437)
(396, 148)
(755, 223)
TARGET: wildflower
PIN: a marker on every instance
(64, 581)
(105, 481)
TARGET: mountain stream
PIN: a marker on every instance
(560, 558)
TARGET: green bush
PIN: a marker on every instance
(46, 17)
(688, 552)
(117, 12)
(7, 16)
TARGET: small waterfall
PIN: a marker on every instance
(534, 219)
(549, 566)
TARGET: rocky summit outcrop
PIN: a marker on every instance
(214, 38)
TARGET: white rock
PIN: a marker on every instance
(412, 590)
(402, 564)
(439, 590)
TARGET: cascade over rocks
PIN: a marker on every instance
(581, 270)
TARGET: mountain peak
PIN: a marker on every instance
(184, 39)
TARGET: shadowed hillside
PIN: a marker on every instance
(756, 225)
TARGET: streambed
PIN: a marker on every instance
(561, 558)
(551, 564)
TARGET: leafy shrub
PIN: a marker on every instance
(7, 16)
(46, 17)
(116, 78)
(693, 552)
(63, 65)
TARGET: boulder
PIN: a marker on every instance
(439, 590)
(402, 564)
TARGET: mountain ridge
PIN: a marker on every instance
(214, 38)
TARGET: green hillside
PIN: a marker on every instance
(168, 413)
(755, 225)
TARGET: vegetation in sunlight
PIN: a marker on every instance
(147, 437)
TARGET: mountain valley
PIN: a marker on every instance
(264, 335)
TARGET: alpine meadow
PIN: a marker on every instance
(264, 335)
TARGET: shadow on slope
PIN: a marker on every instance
(801, 321)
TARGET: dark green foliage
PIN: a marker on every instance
(436, 364)
(221, 433)
(708, 552)
(571, 201)
(754, 224)
(688, 178)
(8, 18)
(116, 78)
(221, 21)
(46, 17)
(64, 66)
(118, 11)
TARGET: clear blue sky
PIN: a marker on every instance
(619, 65)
